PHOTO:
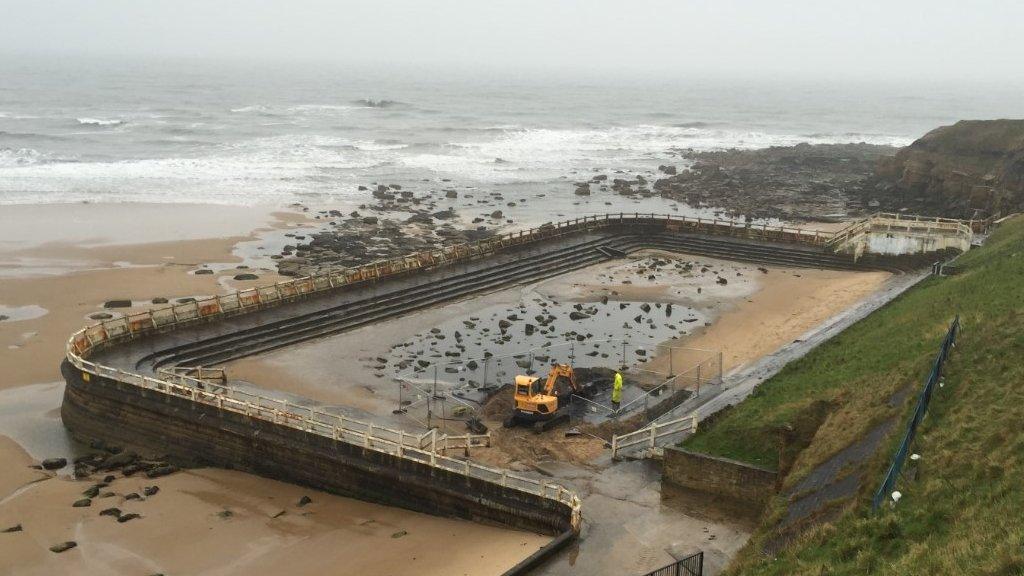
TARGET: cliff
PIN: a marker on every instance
(974, 168)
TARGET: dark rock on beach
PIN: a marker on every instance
(54, 463)
(122, 303)
(63, 546)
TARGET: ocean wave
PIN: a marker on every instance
(258, 170)
(99, 122)
(320, 108)
(31, 136)
(556, 152)
(19, 157)
(252, 108)
(11, 116)
(371, 103)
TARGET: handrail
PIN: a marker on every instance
(893, 221)
(654, 431)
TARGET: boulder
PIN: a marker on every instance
(161, 471)
(63, 546)
(121, 303)
(54, 463)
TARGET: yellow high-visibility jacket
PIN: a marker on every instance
(617, 388)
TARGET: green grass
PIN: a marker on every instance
(965, 512)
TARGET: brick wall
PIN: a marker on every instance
(718, 476)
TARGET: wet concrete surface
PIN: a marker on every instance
(633, 524)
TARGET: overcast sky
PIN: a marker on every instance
(933, 39)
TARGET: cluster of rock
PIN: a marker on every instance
(634, 187)
(557, 324)
(108, 461)
(974, 168)
(802, 182)
(398, 224)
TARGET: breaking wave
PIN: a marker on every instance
(99, 122)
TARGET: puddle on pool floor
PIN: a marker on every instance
(475, 350)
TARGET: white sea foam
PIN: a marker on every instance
(321, 108)
(260, 170)
(528, 154)
(99, 122)
(19, 157)
(251, 108)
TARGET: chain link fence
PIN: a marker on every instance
(657, 377)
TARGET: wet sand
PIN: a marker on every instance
(212, 521)
(69, 270)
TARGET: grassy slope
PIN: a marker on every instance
(965, 513)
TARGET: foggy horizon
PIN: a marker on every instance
(915, 41)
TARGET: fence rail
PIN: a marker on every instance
(649, 435)
(909, 223)
(898, 459)
(692, 565)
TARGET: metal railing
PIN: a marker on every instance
(692, 565)
(371, 436)
(909, 223)
(259, 297)
(898, 459)
(649, 435)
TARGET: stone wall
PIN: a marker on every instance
(200, 434)
(718, 476)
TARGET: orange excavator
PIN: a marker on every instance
(544, 406)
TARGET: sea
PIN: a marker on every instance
(196, 131)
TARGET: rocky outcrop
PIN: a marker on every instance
(802, 182)
(974, 168)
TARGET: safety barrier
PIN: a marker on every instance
(892, 474)
(158, 319)
(649, 435)
(911, 224)
(372, 437)
(692, 565)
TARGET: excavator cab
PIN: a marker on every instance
(543, 405)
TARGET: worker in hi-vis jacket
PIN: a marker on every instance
(617, 391)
